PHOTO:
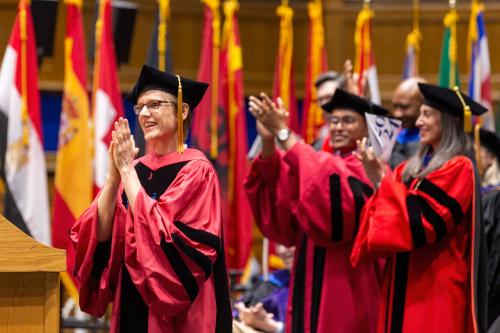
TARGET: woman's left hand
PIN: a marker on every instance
(374, 166)
(124, 146)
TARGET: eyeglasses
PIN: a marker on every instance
(345, 120)
(153, 105)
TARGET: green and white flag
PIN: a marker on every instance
(448, 68)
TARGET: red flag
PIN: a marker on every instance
(284, 84)
(312, 117)
(365, 60)
(26, 199)
(73, 178)
(107, 103)
(159, 56)
(237, 216)
(205, 119)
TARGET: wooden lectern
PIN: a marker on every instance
(29, 282)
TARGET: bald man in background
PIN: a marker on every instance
(406, 102)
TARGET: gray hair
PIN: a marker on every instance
(454, 142)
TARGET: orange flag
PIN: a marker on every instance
(107, 104)
(284, 84)
(312, 117)
(365, 60)
(237, 216)
(204, 134)
(73, 178)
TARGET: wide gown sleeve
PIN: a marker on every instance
(402, 217)
(172, 243)
(272, 194)
(97, 264)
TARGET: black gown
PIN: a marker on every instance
(491, 212)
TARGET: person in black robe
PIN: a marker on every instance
(490, 187)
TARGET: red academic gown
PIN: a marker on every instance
(163, 267)
(427, 228)
(313, 200)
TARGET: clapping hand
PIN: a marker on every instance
(123, 146)
(271, 117)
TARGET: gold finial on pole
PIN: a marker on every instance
(416, 14)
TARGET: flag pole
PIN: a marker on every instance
(164, 13)
(214, 145)
(416, 34)
(453, 43)
(95, 75)
(24, 72)
(265, 259)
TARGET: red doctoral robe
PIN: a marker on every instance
(163, 267)
(430, 232)
(313, 200)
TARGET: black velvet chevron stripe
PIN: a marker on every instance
(101, 257)
(416, 226)
(444, 199)
(336, 206)
(299, 284)
(318, 272)
(359, 190)
(133, 310)
(200, 236)
(181, 270)
(199, 258)
(399, 291)
(430, 215)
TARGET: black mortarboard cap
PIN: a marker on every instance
(343, 100)
(152, 79)
(491, 142)
(447, 100)
(187, 91)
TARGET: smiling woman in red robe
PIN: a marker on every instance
(151, 242)
(426, 219)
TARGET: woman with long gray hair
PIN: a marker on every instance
(426, 220)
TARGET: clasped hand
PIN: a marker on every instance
(122, 150)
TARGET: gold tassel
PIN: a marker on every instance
(180, 129)
(477, 148)
(467, 112)
(467, 119)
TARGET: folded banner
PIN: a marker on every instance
(382, 132)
